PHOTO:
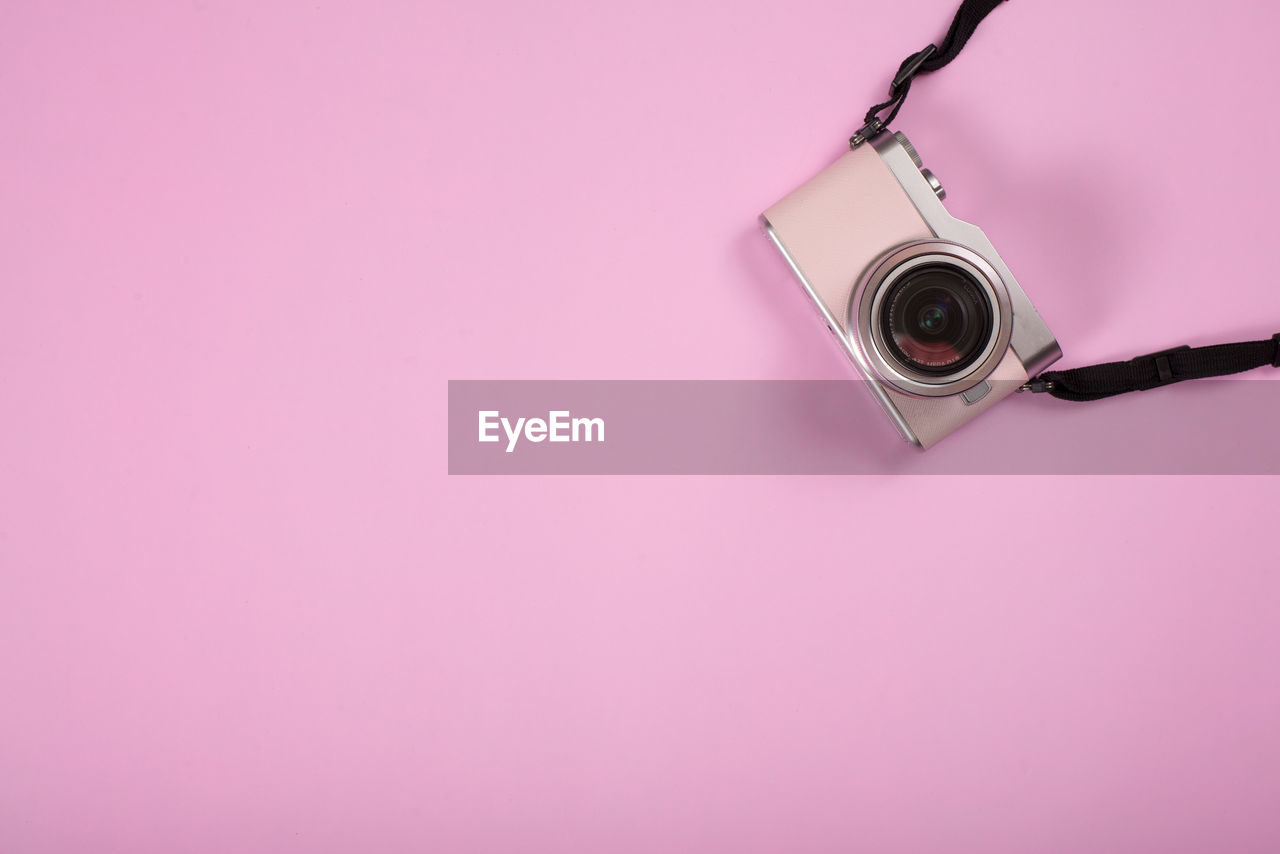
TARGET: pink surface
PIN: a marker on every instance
(243, 608)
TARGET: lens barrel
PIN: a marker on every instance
(936, 319)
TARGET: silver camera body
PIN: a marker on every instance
(920, 301)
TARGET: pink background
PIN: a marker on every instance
(242, 606)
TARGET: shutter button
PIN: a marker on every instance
(935, 184)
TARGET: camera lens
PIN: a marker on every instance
(933, 318)
(936, 319)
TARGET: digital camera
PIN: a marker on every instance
(919, 301)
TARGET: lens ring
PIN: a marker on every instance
(872, 352)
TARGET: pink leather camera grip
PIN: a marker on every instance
(835, 224)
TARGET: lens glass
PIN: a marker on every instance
(936, 319)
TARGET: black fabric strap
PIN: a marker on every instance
(930, 58)
(968, 17)
(1157, 369)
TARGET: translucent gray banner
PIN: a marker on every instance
(834, 427)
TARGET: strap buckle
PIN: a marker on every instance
(897, 94)
(911, 68)
(1164, 370)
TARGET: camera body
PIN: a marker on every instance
(919, 301)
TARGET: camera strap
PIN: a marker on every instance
(930, 58)
(1095, 381)
(1153, 370)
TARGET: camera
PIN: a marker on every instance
(918, 300)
